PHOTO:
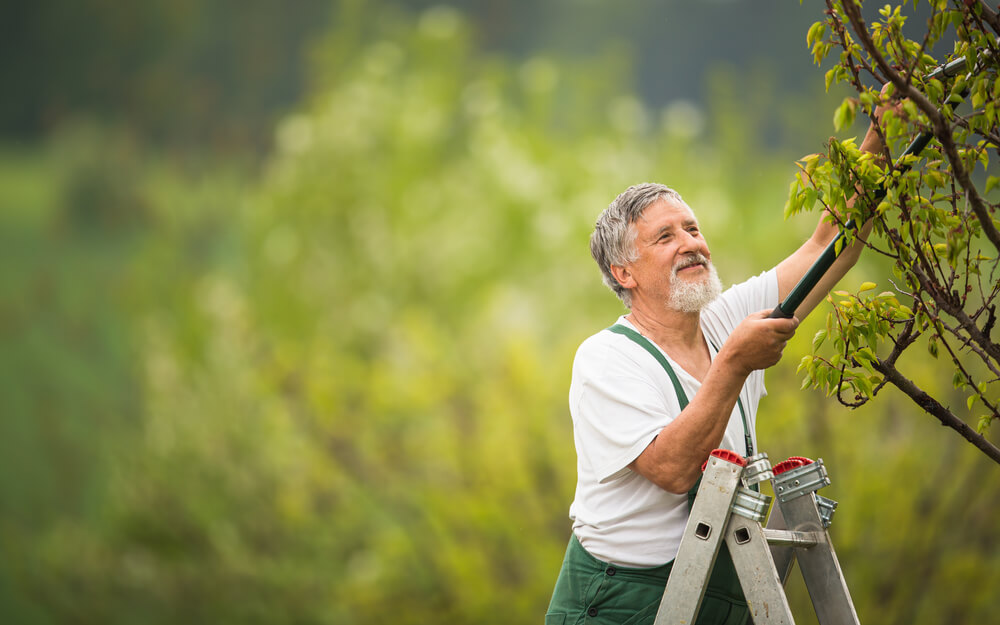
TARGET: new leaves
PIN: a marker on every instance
(934, 212)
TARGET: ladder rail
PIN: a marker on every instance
(759, 578)
(700, 544)
(819, 566)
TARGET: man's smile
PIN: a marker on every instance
(694, 262)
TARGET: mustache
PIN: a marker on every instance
(695, 258)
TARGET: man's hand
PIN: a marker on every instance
(757, 342)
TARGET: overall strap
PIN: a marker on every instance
(681, 396)
(644, 343)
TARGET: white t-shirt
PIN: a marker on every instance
(620, 398)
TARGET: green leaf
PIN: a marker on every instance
(867, 355)
(934, 179)
(818, 339)
(984, 423)
(794, 203)
(815, 34)
(978, 98)
(830, 77)
(811, 161)
(864, 385)
(843, 117)
(867, 286)
(958, 381)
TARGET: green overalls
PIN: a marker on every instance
(594, 592)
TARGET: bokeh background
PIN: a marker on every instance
(290, 294)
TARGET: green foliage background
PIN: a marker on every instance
(328, 385)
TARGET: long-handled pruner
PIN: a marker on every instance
(786, 309)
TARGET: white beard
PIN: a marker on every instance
(693, 296)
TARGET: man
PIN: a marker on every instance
(677, 376)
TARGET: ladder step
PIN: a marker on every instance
(789, 538)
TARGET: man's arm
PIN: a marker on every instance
(673, 460)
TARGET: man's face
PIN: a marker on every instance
(674, 265)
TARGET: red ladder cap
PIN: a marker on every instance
(727, 455)
(792, 463)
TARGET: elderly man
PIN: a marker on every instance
(677, 376)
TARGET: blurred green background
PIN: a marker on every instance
(290, 294)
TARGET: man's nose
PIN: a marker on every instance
(690, 242)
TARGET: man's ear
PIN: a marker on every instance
(623, 276)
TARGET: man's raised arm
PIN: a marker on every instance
(793, 268)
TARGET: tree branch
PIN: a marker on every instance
(989, 362)
(965, 374)
(932, 406)
(968, 324)
(901, 341)
(992, 137)
(989, 16)
(942, 131)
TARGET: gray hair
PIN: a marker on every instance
(613, 239)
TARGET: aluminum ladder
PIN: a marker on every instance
(728, 509)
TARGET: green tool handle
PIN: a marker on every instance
(786, 309)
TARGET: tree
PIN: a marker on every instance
(933, 214)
